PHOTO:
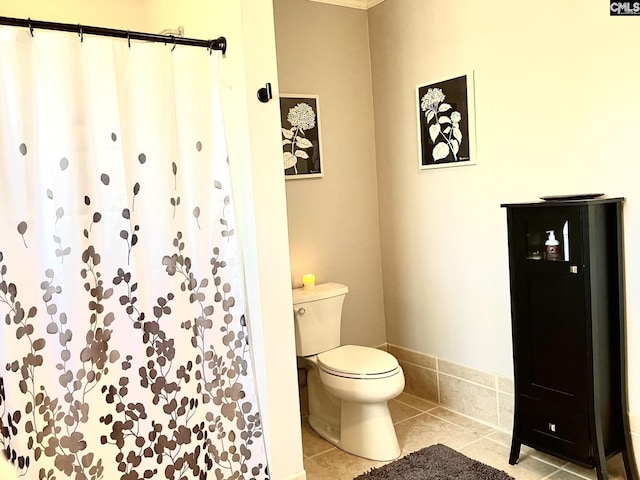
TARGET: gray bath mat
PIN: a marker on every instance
(437, 462)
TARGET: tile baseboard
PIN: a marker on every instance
(482, 396)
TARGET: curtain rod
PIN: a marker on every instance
(219, 43)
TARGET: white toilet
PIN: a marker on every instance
(348, 386)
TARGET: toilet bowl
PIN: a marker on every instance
(349, 385)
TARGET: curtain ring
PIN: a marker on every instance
(80, 34)
(30, 27)
(129, 38)
(174, 43)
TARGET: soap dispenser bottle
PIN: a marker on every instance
(552, 247)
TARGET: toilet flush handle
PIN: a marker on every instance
(301, 311)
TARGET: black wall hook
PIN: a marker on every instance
(264, 94)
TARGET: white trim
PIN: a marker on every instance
(297, 476)
(359, 4)
(634, 421)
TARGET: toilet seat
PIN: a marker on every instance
(357, 362)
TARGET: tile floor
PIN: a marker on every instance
(420, 423)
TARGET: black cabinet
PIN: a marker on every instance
(567, 311)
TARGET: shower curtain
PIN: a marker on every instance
(124, 349)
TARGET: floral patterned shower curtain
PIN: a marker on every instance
(124, 350)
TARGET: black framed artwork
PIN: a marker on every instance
(446, 122)
(301, 145)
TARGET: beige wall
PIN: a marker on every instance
(556, 112)
(333, 221)
(120, 14)
(253, 133)
(557, 102)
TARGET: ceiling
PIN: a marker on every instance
(360, 4)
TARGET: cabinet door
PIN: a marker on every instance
(549, 310)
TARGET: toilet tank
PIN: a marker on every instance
(317, 316)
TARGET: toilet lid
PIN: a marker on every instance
(350, 360)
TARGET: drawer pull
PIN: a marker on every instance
(552, 427)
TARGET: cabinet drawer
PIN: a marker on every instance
(556, 430)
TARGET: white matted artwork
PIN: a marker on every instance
(446, 122)
(301, 145)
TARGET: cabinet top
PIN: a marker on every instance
(565, 203)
